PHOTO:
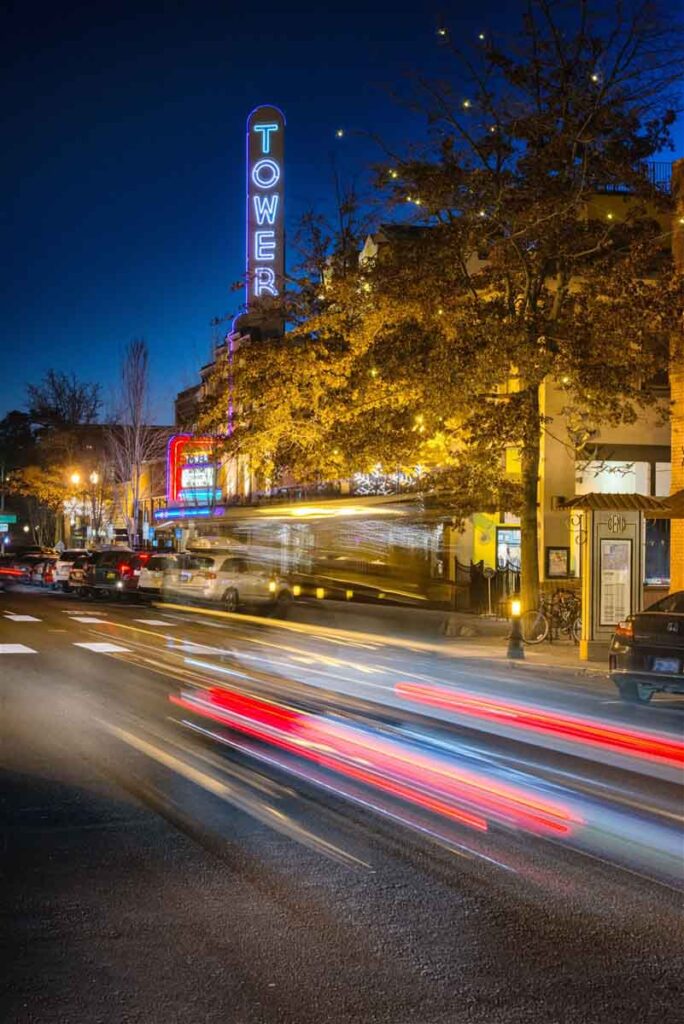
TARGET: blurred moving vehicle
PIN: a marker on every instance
(9, 573)
(151, 579)
(63, 567)
(647, 651)
(224, 578)
(28, 563)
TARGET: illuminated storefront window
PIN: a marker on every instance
(508, 547)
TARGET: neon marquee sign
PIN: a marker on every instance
(191, 470)
(265, 223)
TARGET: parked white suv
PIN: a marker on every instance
(225, 578)
(63, 567)
(151, 579)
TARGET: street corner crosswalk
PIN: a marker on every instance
(104, 648)
(16, 649)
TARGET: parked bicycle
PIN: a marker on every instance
(559, 614)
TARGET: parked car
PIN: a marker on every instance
(48, 579)
(27, 564)
(151, 577)
(78, 571)
(647, 651)
(63, 567)
(42, 571)
(114, 571)
(224, 578)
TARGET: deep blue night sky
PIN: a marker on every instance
(123, 178)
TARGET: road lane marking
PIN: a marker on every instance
(90, 618)
(154, 622)
(104, 648)
(16, 649)
(188, 647)
(14, 617)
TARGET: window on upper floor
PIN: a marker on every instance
(612, 477)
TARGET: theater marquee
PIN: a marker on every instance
(265, 213)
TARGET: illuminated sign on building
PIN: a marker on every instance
(191, 468)
(265, 222)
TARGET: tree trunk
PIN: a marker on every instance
(529, 547)
(677, 389)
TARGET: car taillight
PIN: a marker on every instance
(625, 630)
(125, 570)
(209, 575)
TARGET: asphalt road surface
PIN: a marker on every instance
(213, 819)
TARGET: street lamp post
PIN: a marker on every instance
(94, 480)
(75, 480)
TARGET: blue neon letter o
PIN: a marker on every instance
(266, 173)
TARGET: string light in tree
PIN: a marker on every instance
(466, 104)
(481, 37)
(340, 133)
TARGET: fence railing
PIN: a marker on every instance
(484, 591)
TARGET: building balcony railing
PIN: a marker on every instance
(658, 172)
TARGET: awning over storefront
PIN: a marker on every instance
(670, 507)
(425, 507)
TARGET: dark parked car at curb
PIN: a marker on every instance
(647, 651)
(111, 572)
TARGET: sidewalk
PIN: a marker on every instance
(558, 654)
(453, 632)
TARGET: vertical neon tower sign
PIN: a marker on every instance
(265, 213)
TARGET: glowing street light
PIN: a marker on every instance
(94, 477)
(515, 650)
(75, 479)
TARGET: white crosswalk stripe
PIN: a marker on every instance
(14, 617)
(104, 648)
(153, 622)
(90, 618)
(16, 649)
(78, 611)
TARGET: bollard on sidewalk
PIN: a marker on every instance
(515, 640)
